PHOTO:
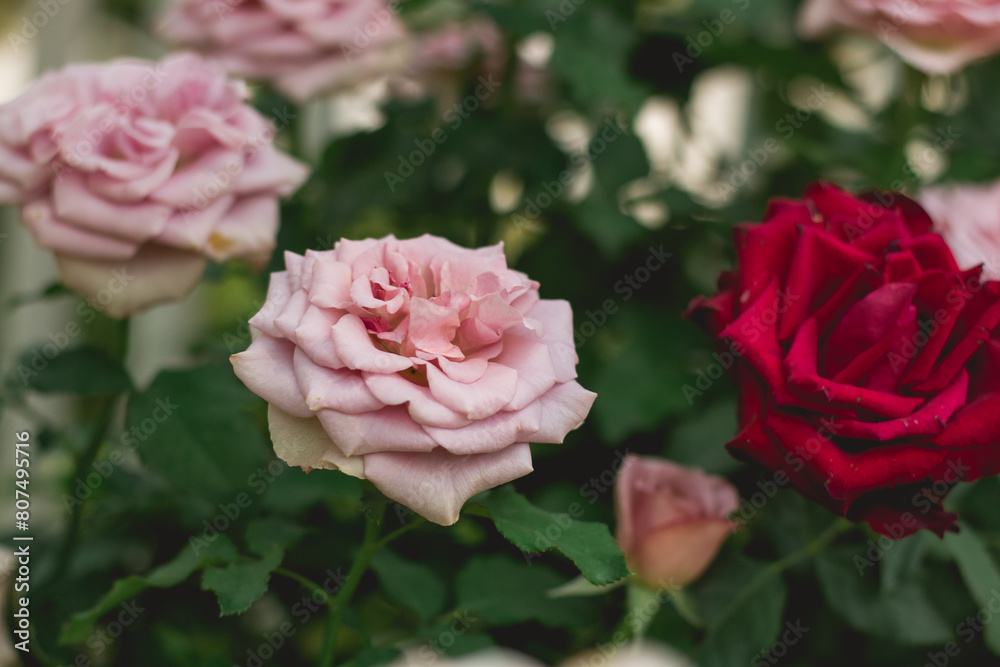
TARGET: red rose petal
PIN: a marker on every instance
(832, 397)
(976, 336)
(848, 476)
(929, 420)
(819, 266)
(763, 252)
(867, 326)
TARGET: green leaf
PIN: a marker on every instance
(410, 584)
(191, 558)
(263, 534)
(903, 613)
(741, 601)
(591, 57)
(192, 428)
(588, 544)
(579, 586)
(87, 371)
(980, 575)
(238, 585)
(502, 591)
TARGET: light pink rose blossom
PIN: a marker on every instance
(936, 36)
(968, 217)
(302, 47)
(420, 365)
(134, 172)
(672, 520)
(307, 47)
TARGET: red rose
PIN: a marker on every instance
(868, 363)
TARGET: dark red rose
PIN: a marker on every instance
(868, 363)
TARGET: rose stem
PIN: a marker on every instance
(107, 412)
(369, 547)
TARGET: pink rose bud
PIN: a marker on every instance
(939, 37)
(135, 173)
(968, 217)
(420, 365)
(671, 520)
(303, 47)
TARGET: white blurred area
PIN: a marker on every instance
(692, 146)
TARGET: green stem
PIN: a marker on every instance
(119, 348)
(399, 532)
(807, 551)
(813, 548)
(80, 472)
(636, 595)
(369, 547)
(305, 581)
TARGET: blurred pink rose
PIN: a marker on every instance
(306, 47)
(938, 37)
(671, 520)
(968, 217)
(134, 172)
(420, 365)
(442, 61)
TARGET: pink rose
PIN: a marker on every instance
(968, 217)
(444, 59)
(671, 520)
(458, 45)
(133, 173)
(422, 366)
(302, 47)
(938, 37)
